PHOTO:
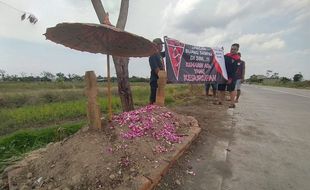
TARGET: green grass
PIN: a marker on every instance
(36, 97)
(31, 86)
(16, 98)
(173, 94)
(13, 146)
(140, 95)
(300, 85)
(30, 116)
(58, 109)
(289, 84)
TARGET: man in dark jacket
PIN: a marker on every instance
(156, 64)
(231, 64)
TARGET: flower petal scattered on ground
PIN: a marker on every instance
(149, 121)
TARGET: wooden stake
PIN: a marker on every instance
(162, 81)
(191, 89)
(93, 111)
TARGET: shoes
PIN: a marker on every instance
(217, 103)
(232, 106)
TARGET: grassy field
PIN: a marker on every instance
(289, 84)
(34, 114)
(300, 85)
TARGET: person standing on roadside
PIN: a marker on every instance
(214, 89)
(240, 77)
(231, 61)
(156, 64)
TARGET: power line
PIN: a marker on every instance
(12, 7)
(31, 17)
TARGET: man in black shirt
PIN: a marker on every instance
(156, 64)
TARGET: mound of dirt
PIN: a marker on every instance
(132, 144)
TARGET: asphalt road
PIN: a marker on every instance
(262, 144)
(270, 148)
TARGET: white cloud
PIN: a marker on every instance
(268, 31)
(302, 17)
(230, 8)
(182, 7)
(275, 43)
(303, 52)
(262, 42)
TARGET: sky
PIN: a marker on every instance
(273, 34)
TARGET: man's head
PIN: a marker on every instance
(159, 43)
(234, 48)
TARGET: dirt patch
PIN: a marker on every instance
(196, 168)
(132, 145)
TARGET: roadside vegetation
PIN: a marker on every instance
(15, 145)
(274, 80)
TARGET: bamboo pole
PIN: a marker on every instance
(109, 89)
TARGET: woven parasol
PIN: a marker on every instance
(101, 38)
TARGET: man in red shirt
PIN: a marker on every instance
(231, 61)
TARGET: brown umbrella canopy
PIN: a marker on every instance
(100, 38)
